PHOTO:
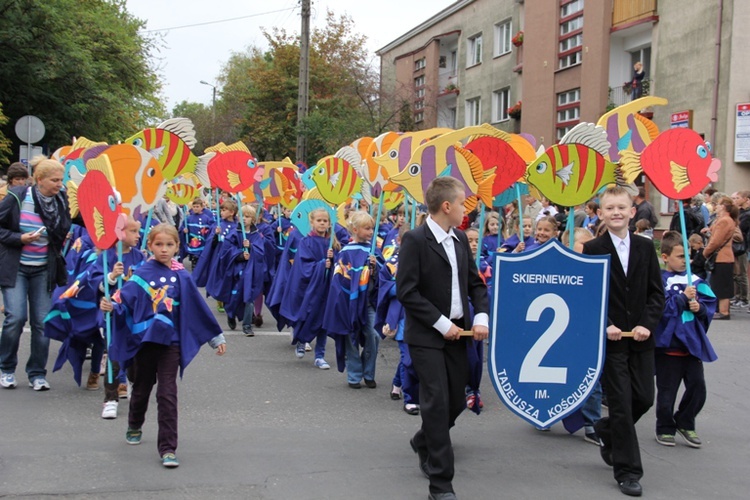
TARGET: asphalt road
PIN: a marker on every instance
(258, 423)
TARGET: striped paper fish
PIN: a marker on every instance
(336, 179)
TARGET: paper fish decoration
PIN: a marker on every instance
(232, 168)
(300, 217)
(137, 176)
(443, 157)
(627, 129)
(373, 173)
(392, 199)
(184, 189)
(496, 152)
(573, 171)
(336, 180)
(99, 205)
(280, 184)
(395, 157)
(170, 143)
(678, 162)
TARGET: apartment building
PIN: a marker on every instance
(569, 60)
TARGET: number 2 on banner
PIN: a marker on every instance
(531, 369)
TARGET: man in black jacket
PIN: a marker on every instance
(436, 279)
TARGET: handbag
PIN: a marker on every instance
(711, 259)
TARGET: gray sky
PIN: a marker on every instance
(198, 53)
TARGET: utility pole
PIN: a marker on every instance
(304, 79)
(213, 112)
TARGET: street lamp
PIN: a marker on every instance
(213, 112)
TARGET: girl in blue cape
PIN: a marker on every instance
(512, 242)
(74, 318)
(195, 229)
(390, 319)
(206, 269)
(269, 238)
(303, 304)
(276, 291)
(240, 272)
(160, 322)
(492, 236)
(349, 317)
(546, 229)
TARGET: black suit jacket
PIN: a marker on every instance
(635, 299)
(423, 284)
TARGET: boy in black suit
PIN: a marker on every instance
(636, 303)
(436, 278)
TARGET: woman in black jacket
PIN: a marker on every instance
(34, 222)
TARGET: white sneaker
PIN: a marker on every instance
(308, 347)
(8, 380)
(321, 363)
(39, 384)
(110, 410)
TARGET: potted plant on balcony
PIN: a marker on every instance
(515, 111)
(517, 40)
(451, 87)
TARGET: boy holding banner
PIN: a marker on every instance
(636, 302)
(436, 278)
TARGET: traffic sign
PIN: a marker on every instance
(30, 129)
(548, 330)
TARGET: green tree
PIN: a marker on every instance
(5, 151)
(264, 86)
(82, 66)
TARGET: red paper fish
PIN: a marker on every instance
(497, 152)
(678, 162)
(99, 205)
(232, 168)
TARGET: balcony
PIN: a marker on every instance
(623, 94)
(628, 12)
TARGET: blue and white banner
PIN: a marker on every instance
(548, 330)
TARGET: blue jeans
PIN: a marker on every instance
(320, 345)
(592, 408)
(30, 292)
(362, 365)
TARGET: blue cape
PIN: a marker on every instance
(276, 291)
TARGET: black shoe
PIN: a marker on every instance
(370, 384)
(411, 409)
(606, 450)
(446, 495)
(422, 454)
(248, 331)
(232, 322)
(258, 320)
(631, 487)
(355, 385)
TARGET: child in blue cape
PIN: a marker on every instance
(160, 323)
(276, 291)
(492, 237)
(349, 317)
(390, 319)
(682, 346)
(546, 229)
(269, 244)
(511, 243)
(475, 349)
(303, 304)
(240, 272)
(206, 269)
(389, 241)
(195, 229)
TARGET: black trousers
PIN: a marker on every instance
(443, 375)
(629, 382)
(671, 371)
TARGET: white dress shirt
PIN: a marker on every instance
(447, 240)
(623, 249)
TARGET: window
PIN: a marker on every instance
(570, 43)
(500, 104)
(454, 61)
(568, 111)
(419, 82)
(419, 105)
(569, 26)
(419, 64)
(418, 117)
(570, 59)
(420, 93)
(474, 50)
(571, 8)
(502, 38)
(473, 111)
